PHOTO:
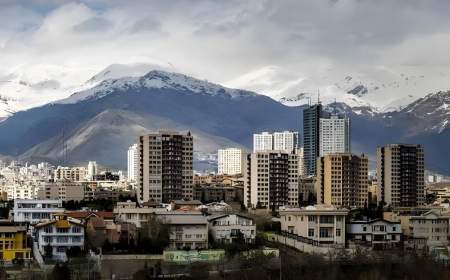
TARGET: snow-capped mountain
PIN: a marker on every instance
(155, 79)
(29, 86)
(384, 90)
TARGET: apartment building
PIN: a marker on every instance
(271, 180)
(334, 135)
(230, 161)
(33, 211)
(400, 172)
(165, 167)
(56, 236)
(133, 163)
(320, 224)
(285, 141)
(342, 180)
(63, 190)
(262, 141)
(74, 174)
(228, 227)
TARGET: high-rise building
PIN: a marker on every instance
(271, 180)
(311, 136)
(165, 167)
(342, 180)
(262, 141)
(92, 170)
(334, 135)
(133, 163)
(285, 141)
(400, 174)
(230, 161)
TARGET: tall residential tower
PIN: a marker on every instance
(165, 167)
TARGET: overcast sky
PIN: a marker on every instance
(221, 40)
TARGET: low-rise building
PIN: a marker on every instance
(128, 212)
(429, 229)
(188, 229)
(33, 211)
(216, 193)
(13, 242)
(64, 190)
(56, 236)
(378, 233)
(229, 227)
(319, 224)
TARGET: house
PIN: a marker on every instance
(228, 227)
(188, 229)
(13, 242)
(378, 233)
(318, 224)
(33, 211)
(128, 212)
(56, 236)
(429, 229)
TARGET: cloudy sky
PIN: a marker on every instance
(223, 40)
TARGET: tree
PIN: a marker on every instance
(61, 272)
(154, 235)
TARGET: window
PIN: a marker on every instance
(311, 232)
(76, 229)
(48, 229)
(364, 228)
(325, 232)
(76, 239)
(311, 218)
(62, 230)
(326, 219)
(338, 232)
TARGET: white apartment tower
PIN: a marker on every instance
(133, 161)
(92, 170)
(165, 167)
(262, 141)
(230, 161)
(334, 135)
(285, 141)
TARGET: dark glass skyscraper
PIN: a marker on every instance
(311, 122)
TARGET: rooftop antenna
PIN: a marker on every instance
(318, 96)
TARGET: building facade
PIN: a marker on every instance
(229, 227)
(342, 180)
(400, 172)
(165, 167)
(56, 236)
(271, 180)
(14, 243)
(334, 135)
(74, 174)
(33, 211)
(321, 224)
(62, 190)
(133, 163)
(311, 137)
(285, 141)
(230, 161)
(378, 233)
